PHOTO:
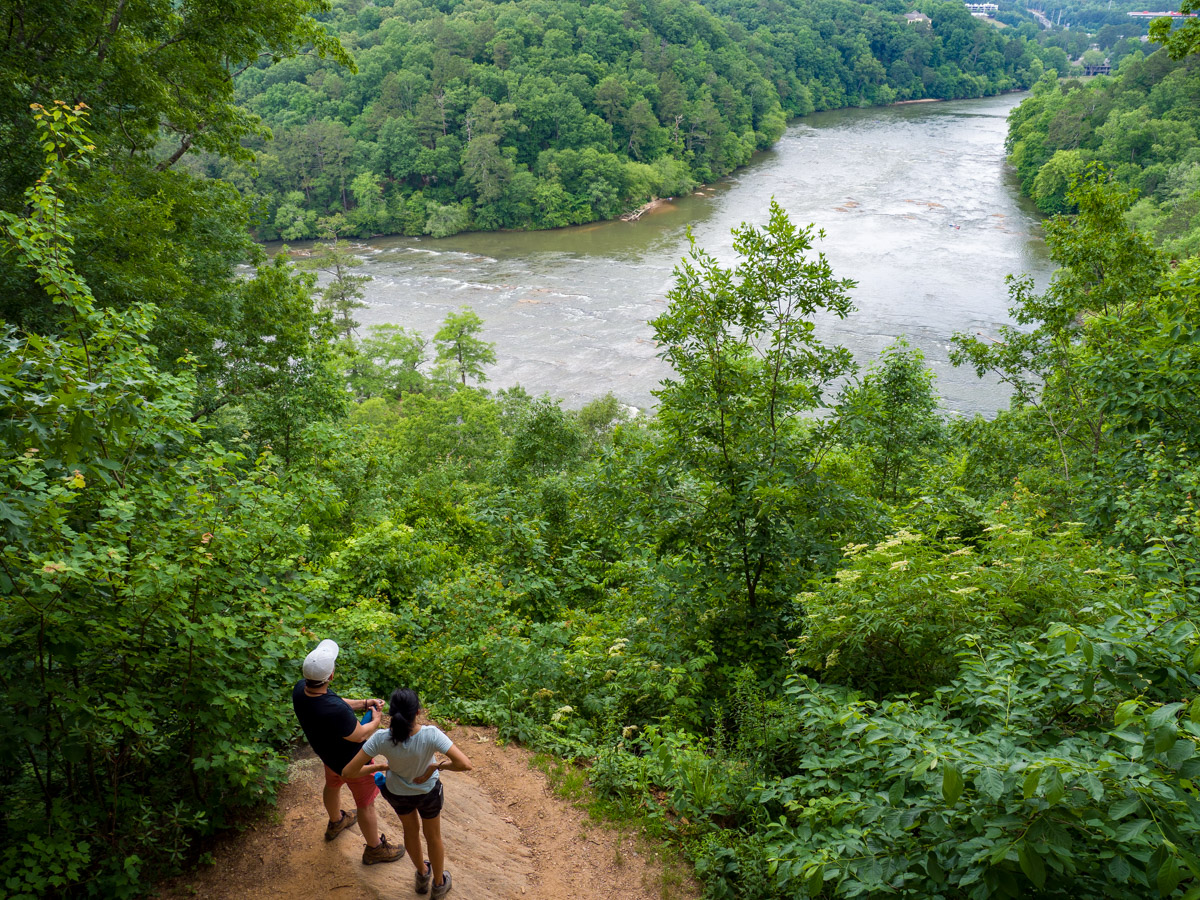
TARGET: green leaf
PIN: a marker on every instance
(1180, 752)
(1131, 830)
(934, 869)
(1054, 790)
(990, 783)
(1164, 714)
(1119, 869)
(952, 783)
(1121, 808)
(815, 881)
(1164, 738)
(1031, 782)
(1169, 876)
(1032, 865)
(1125, 712)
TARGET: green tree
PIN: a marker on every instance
(891, 417)
(159, 82)
(391, 359)
(460, 353)
(343, 293)
(547, 440)
(154, 77)
(445, 219)
(747, 364)
(1179, 42)
(1104, 268)
(148, 587)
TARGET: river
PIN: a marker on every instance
(916, 201)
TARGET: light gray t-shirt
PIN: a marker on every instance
(409, 760)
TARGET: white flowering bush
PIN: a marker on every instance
(890, 619)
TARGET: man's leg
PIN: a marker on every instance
(368, 824)
(332, 797)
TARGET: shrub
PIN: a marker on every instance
(891, 618)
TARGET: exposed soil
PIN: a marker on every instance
(507, 836)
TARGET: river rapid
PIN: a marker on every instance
(916, 201)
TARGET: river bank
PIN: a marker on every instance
(568, 309)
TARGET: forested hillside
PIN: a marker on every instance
(1143, 124)
(532, 114)
(824, 639)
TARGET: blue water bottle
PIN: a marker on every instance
(380, 777)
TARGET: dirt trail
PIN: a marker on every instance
(507, 836)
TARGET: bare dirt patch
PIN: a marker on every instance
(507, 836)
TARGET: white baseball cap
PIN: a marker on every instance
(318, 665)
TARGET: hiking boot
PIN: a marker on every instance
(333, 829)
(384, 852)
(421, 882)
(441, 890)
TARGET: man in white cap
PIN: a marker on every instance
(336, 736)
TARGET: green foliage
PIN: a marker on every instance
(891, 620)
(620, 590)
(460, 352)
(159, 82)
(513, 115)
(388, 363)
(1141, 124)
(278, 374)
(746, 365)
(1059, 766)
(1181, 42)
(892, 415)
(1105, 269)
(547, 440)
(1143, 378)
(149, 587)
(343, 293)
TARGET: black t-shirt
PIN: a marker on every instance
(327, 719)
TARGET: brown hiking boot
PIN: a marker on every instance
(333, 829)
(385, 852)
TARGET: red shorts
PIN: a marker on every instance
(362, 788)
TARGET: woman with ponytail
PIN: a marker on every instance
(413, 785)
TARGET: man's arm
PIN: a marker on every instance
(363, 730)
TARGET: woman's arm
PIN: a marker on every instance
(362, 765)
(458, 763)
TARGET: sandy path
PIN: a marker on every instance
(507, 836)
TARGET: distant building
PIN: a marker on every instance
(982, 10)
(916, 18)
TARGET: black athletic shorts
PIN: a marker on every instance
(428, 805)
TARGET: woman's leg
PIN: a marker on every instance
(412, 839)
(437, 850)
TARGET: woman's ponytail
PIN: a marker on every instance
(403, 708)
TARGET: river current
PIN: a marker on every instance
(916, 201)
